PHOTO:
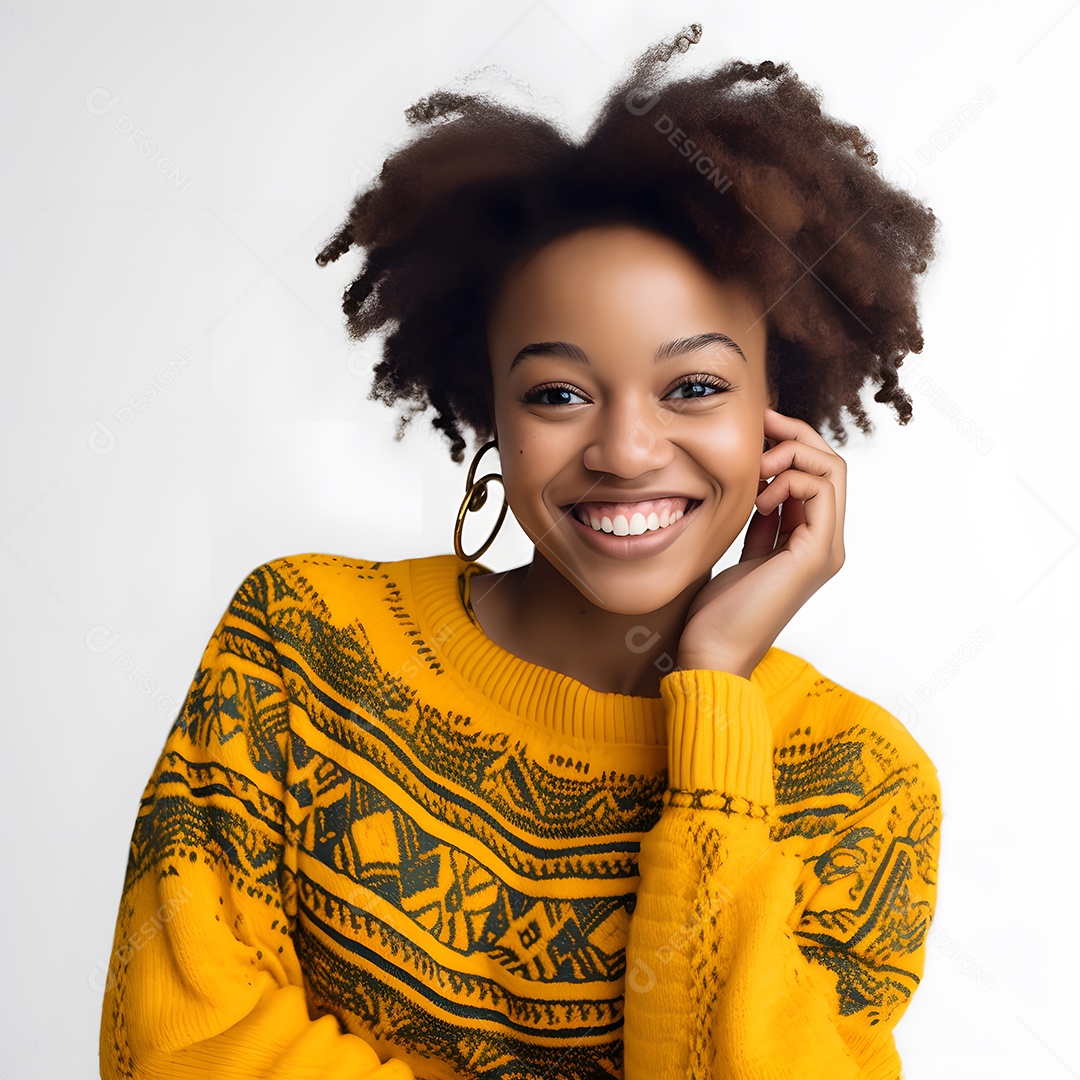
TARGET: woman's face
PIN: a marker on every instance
(615, 414)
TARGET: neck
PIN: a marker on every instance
(535, 613)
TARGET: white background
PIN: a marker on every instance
(127, 523)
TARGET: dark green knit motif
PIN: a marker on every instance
(861, 921)
(480, 786)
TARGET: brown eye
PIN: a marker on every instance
(701, 386)
(552, 394)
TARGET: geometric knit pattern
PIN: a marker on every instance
(856, 776)
(452, 883)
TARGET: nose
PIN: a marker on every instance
(627, 439)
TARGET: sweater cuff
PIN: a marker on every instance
(719, 736)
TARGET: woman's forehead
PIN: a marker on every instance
(631, 274)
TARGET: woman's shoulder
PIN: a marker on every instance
(845, 766)
(809, 708)
(314, 575)
(328, 564)
(319, 589)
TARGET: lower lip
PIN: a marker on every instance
(631, 547)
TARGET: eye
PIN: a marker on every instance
(700, 386)
(552, 394)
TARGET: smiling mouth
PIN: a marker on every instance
(632, 518)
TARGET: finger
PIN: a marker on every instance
(793, 484)
(778, 425)
(760, 540)
(794, 456)
(791, 454)
(792, 515)
(817, 494)
(804, 442)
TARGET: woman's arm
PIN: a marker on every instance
(204, 979)
(769, 947)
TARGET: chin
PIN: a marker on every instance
(627, 589)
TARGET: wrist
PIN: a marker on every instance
(720, 738)
(713, 662)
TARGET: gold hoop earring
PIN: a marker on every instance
(475, 497)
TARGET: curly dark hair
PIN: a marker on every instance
(741, 166)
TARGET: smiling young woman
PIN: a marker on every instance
(580, 818)
(627, 381)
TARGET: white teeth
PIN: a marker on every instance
(636, 525)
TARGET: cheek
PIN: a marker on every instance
(532, 454)
(523, 472)
(732, 453)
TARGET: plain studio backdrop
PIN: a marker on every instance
(181, 403)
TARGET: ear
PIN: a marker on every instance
(773, 388)
(774, 398)
(491, 414)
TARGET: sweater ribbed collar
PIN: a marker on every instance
(440, 585)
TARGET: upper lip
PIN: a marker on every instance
(629, 497)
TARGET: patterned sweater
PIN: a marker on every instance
(376, 844)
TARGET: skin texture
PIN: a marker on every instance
(620, 427)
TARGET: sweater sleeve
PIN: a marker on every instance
(766, 946)
(204, 979)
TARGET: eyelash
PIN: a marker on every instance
(712, 381)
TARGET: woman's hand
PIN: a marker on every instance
(794, 544)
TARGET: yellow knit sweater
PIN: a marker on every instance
(376, 844)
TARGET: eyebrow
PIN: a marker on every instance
(678, 347)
